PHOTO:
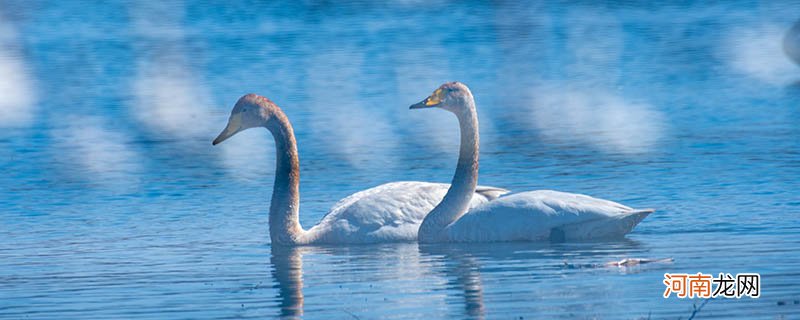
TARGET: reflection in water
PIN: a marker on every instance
(389, 262)
(529, 266)
(463, 272)
(461, 268)
(287, 271)
(723, 165)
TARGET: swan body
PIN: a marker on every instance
(791, 43)
(390, 212)
(544, 215)
(387, 213)
(527, 216)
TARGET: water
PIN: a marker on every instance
(114, 204)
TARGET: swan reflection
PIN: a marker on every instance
(413, 270)
(287, 271)
(463, 273)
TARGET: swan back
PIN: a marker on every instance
(535, 215)
(387, 213)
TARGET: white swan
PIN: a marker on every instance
(791, 43)
(390, 212)
(527, 216)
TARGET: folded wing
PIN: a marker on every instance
(389, 212)
(545, 215)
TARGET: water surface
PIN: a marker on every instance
(114, 204)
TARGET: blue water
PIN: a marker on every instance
(114, 204)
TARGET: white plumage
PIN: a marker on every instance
(390, 212)
(545, 215)
(527, 216)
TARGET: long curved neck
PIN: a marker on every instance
(284, 223)
(456, 202)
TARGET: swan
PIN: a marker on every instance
(527, 216)
(390, 212)
(791, 43)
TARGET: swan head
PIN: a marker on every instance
(250, 111)
(452, 96)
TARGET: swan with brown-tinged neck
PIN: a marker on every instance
(542, 215)
(390, 212)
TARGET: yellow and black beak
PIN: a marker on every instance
(434, 100)
(233, 127)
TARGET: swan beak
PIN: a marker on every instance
(427, 103)
(234, 126)
(433, 101)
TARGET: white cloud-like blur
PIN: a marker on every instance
(594, 46)
(172, 99)
(417, 76)
(159, 20)
(171, 103)
(757, 51)
(596, 117)
(249, 155)
(17, 96)
(354, 131)
(582, 104)
(97, 152)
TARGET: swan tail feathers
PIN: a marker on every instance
(602, 228)
(632, 218)
(640, 214)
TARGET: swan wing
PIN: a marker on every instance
(389, 212)
(545, 215)
(489, 193)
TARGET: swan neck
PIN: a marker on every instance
(284, 222)
(456, 202)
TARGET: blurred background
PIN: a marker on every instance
(114, 203)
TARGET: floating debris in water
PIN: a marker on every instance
(627, 262)
(783, 303)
